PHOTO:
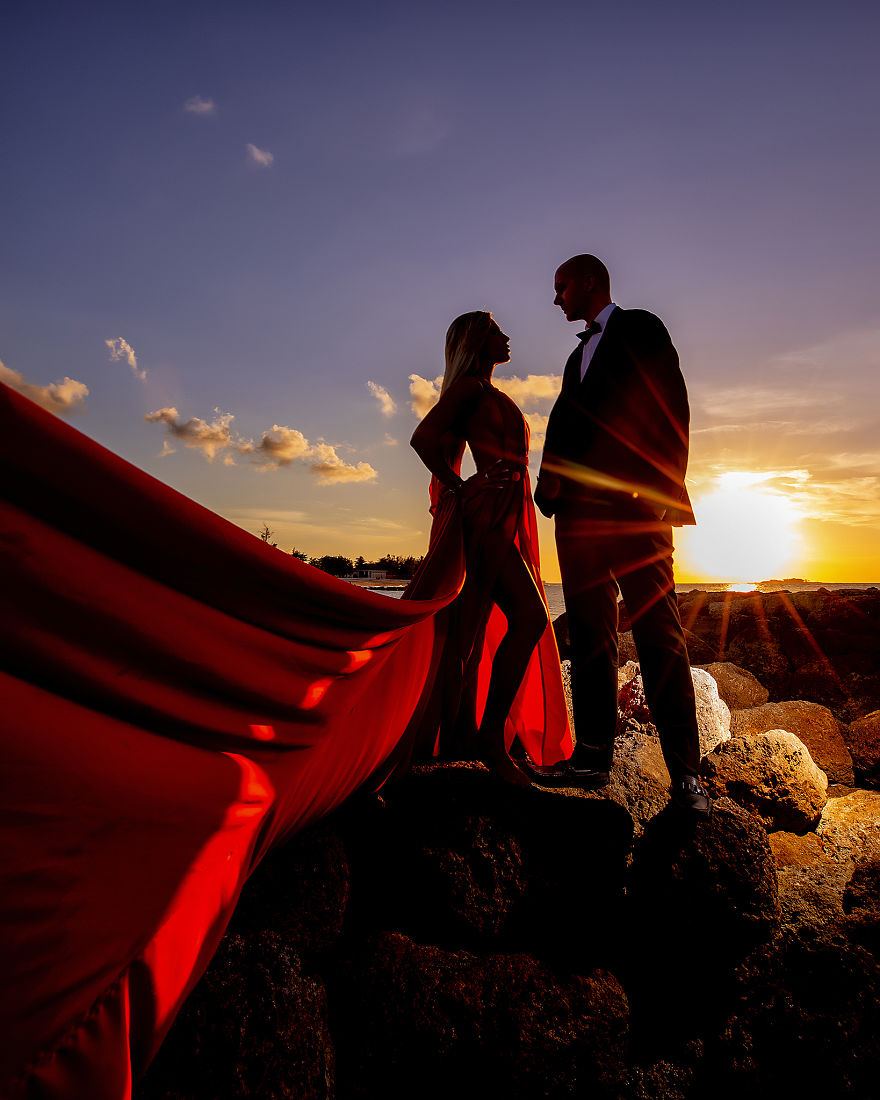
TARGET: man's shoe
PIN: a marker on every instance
(564, 774)
(688, 794)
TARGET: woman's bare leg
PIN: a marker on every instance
(518, 598)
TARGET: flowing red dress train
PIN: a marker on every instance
(176, 697)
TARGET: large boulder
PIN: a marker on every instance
(692, 883)
(863, 742)
(812, 880)
(813, 724)
(737, 686)
(710, 880)
(805, 1021)
(460, 859)
(299, 891)
(851, 825)
(416, 1020)
(770, 774)
(822, 646)
(861, 903)
(713, 714)
(255, 1026)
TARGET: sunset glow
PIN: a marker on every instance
(745, 530)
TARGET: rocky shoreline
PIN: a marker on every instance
(457, 935)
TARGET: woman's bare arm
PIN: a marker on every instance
(441, 425)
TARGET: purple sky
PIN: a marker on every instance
(273, 205)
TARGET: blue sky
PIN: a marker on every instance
(274, 204)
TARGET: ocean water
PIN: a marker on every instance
(556, 602)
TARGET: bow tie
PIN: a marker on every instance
(592, 330)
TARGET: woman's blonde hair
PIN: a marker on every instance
(464, 341)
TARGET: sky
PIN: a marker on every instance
(234, 236)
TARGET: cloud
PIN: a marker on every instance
(386, 402)
(331, 469)
(524, 391)
(260, 156)
(61, 398)
(534, 387)
(537, 426)
(424, 393)
(121, 349)
(280, 446)
(748, 401)
(389, 440)
(198, 106)
(211, 439)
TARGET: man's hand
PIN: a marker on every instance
(547, 493)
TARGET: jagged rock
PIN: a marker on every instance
(711, 881)
(459, 858)
(813, 724)
(639, 779)
(863, 741)
(770, 774)
(699, 653)
(821, 646)
(719, 873)
(626, 648)
(851, 824)
(713, 715)
(736, 686)
(416, 1020)
(255, 1026)
(805, 1022)
(861, 903)
(626, 672)
(300, 891)
(811, 880)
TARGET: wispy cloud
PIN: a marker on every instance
(748, 401)
(389, 440)
(424, 393)
(537, 426)
(198, 106)
(260, 156)
(386, 402)
(211, 439)
(61, 398)
(279, 446)
(532, 388)
(121, 349)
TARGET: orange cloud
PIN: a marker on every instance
(61, 398)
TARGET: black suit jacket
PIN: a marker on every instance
(619, 438)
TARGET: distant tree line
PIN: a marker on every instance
(338, 566)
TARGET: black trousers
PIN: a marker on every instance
(598, 553)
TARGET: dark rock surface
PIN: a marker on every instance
(821, 646)
(418, 1020)
(805, 1021)
(863, 741)
(254, 1027)
(458, 936)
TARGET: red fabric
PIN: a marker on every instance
(177, 697)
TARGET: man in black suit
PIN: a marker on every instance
(612, 474)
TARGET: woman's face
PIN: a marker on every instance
(497, 346)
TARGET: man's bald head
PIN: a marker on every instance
(587, 266)
(583, 287)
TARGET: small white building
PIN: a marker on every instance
(367, 575)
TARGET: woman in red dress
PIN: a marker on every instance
(501, 678)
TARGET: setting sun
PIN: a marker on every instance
(745, 530)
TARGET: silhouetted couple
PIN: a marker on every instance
(612, 475)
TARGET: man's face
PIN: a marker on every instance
(574, 294)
